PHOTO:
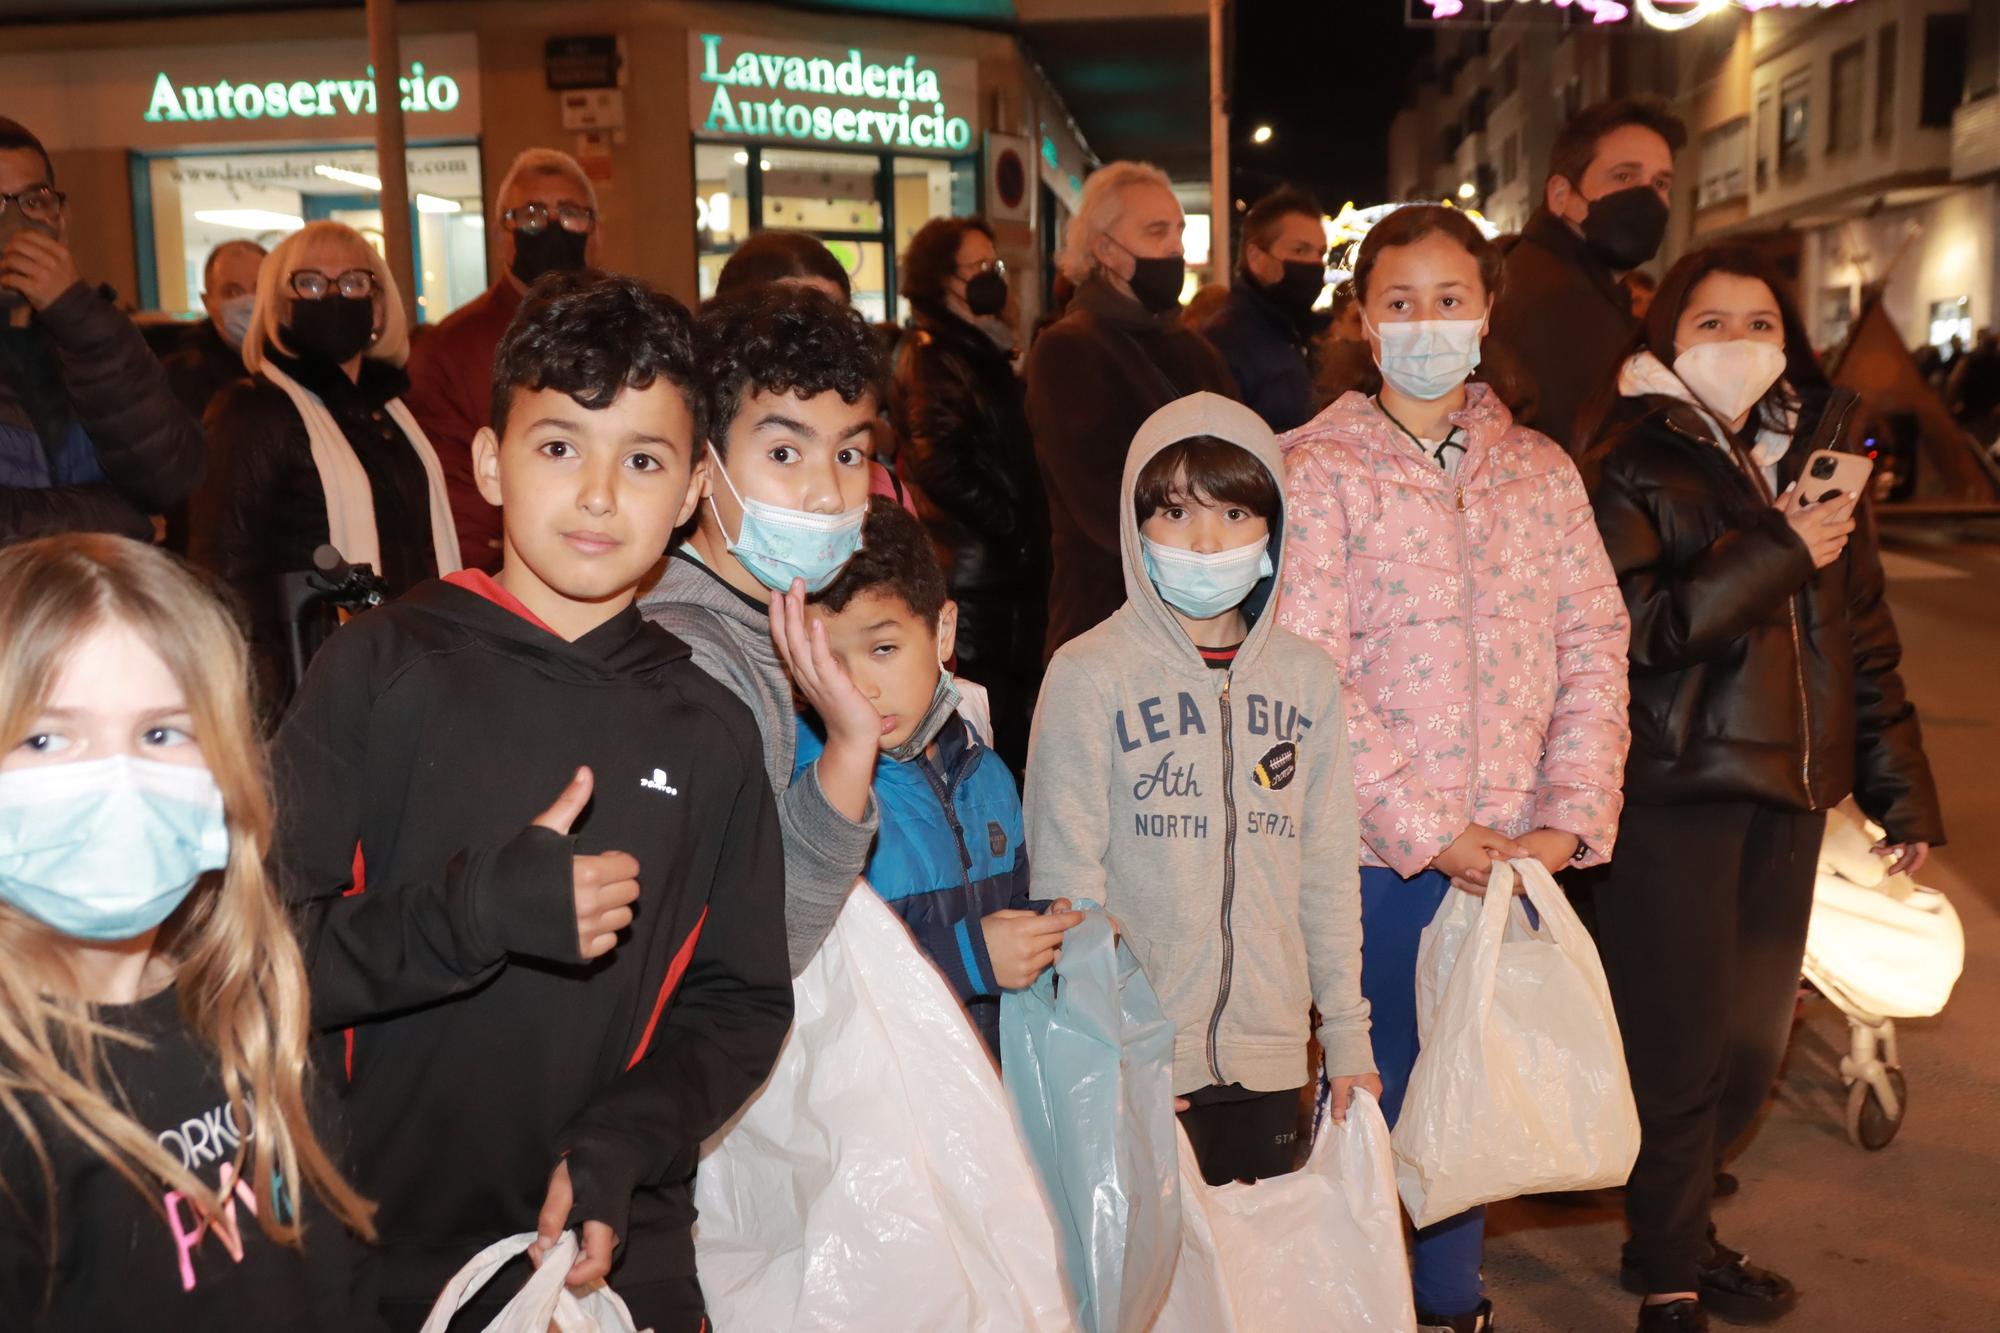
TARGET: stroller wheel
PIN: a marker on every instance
(1869, 1123)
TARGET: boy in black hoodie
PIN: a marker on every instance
(551, 1004)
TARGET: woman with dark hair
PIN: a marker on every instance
(783, 256)
(1764, 690)
(1444, 557)
(968, 463)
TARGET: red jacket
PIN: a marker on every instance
(451, 395)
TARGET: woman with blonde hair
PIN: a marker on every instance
(317, 446)
(158, 1165)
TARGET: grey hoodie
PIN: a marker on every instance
(824, 849)
(1211, 812)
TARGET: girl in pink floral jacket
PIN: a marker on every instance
(1447, 560)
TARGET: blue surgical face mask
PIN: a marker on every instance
(778, 545)
(1426, 359)
(944, 702)
(108, 848)
(233, 317)
(1202, 587)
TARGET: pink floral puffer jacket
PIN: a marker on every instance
(1476, 624)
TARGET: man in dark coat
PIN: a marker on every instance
(1096, 374)
(1561, 311)
(91, 439)
(210, 357)
(1266, 329)
(546, 220)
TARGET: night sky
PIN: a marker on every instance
(1327, 76)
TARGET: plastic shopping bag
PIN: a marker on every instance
(1321, 1248)
(1520, 1087)
(1892, 958)
(876, 1181)
(1088, 1056)
(545, 1304)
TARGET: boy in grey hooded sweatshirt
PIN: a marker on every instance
(1200, 788)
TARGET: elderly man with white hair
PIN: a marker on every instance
(544, 221)
(1118, 354)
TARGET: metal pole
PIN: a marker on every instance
(1220, 200)
(388, 62)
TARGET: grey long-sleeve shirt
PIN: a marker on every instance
(731, 639)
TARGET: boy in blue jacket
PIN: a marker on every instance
(950, 858)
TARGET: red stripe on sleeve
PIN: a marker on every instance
(347, 1034)
(667, 987)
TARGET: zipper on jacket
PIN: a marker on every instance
(942, 789)
(1472, 653)
(1228, 884)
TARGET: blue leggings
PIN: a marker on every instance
(1394, 911)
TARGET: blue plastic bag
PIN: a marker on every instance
(1088, 1056)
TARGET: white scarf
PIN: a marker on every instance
(1644, 374)
(350, 504)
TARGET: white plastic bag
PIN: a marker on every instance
(1321, 1248)
(876, 1181)
(544, 1305)
(1520, 1087)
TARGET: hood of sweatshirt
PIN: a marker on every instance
(622, 650)
(1198, 414)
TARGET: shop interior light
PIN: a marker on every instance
(1467, 189)
(1262, 134)
(742, 158)
(430, 203)
(250, 219)
(373, 184)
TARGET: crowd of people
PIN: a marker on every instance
(1290, 626)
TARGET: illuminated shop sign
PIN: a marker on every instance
(1669, 15)
(740, 88)
(250, 99)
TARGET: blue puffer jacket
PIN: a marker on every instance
(951, 850)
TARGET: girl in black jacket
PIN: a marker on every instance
(968, 462)
(1764, 690)
(317, 447)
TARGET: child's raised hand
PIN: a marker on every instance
(606, 884)
(593, 1255)
(822, 681)
(1021, 944)
(1343, 1092)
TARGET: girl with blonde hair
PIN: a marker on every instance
(317, 447)
(158, 1164)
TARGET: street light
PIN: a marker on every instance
(1467, 189)
(1262, 134)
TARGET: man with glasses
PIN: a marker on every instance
(1266, 329)
(91, 438)
(545, 221)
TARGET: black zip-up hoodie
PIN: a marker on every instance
(431, 732)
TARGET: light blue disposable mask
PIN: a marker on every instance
(1426, 359)
(778, 545)
(944, 702)
(108, 848)
(1202, 587)
(234, 318)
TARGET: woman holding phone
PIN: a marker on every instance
(1764, 690)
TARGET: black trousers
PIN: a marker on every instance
(1242, 1135)
(1701, 922)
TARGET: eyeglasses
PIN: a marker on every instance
(998, 266)
(37, 201)
(312, 284)
(533, 219)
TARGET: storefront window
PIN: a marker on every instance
(838, 197)
(197, 201)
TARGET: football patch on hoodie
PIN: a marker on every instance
(1280, 764)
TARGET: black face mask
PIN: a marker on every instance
(986, 293)
(1303, 281)
(550, 250)
(1157, 282)
(334, 329)
(1625, 228)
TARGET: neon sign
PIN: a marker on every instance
(225, 100)
(1667, 15)
(825, 99)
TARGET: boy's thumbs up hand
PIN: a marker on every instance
(606, 884)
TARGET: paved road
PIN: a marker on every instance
(1908, 1238)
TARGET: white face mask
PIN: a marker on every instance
(1426, 359)
(1729, 377)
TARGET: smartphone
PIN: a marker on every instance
(1830, 475)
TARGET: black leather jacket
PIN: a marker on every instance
(967, 460)
(1754, 676)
